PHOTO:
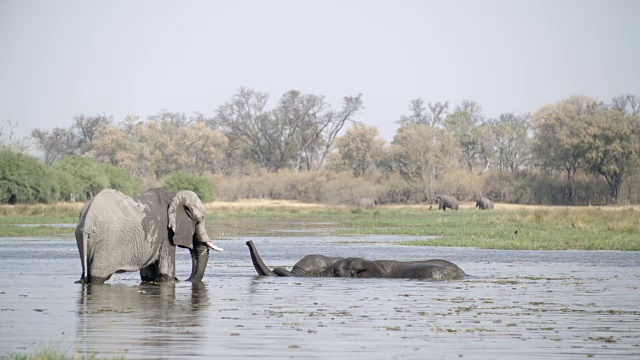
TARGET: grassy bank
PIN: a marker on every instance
(508, 227)
(51, 354)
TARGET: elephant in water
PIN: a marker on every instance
(446, 201)
(118, 233)
(484, 204)
(324, 266)
(310, 265)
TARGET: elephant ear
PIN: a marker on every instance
(180, 222)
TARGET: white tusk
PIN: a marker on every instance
(210, 244)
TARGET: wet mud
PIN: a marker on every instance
(515, 305)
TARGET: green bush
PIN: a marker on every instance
(89, 176)
(121, 180)
(183, 181)
(69, 187)
(25, 179)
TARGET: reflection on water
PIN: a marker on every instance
(120, 317)
(518, 304)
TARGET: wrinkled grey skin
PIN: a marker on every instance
(367, 203)
(446, 201)
(323, 266)
(484, 204)
(434, 269)
(310, 265)
(118, 233)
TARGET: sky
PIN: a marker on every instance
(59, 59)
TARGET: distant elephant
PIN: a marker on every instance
(367, 203)
(323, 266)
(118, 233)
(446, 201)
(484, 204)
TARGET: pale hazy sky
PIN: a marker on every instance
(62, 58)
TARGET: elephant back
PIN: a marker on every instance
(112, 215)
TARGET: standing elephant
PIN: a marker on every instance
(367, 203)
(446, 201)
(118, 233)
(484, 204)
(323, 266)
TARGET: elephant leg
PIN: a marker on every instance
(164, 268)
(167, 263)
(150, 273)
(100, 268)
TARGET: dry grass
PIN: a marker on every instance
(261, 203)
(251, 204)
(73, 209)
(40, 210)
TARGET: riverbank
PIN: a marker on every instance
(508, 227)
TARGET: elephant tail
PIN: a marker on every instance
(85, 265)
(261, 268)
(81, 238)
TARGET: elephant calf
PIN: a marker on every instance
(484, 204)
(323, 266)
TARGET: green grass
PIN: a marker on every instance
(522, 228)
(51, 354)
(539, 229)
(17, 231)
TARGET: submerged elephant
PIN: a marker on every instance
(310, 265)
(484, 204)
(324, 266)
(446, 201)
(118, 233)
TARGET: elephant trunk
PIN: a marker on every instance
(199, 260)
(261, 268)
(199, 253)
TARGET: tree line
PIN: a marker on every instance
(578, 150)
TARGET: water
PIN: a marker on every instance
(517, 305)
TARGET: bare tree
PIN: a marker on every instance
(419, 114)
(86, 128)
(12, 143)
(628, 103)
(245, 122)
(299, 132)
(176, 119)
(330, 125)
(55, 144)
(295, 125)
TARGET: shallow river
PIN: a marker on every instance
(516, 305)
